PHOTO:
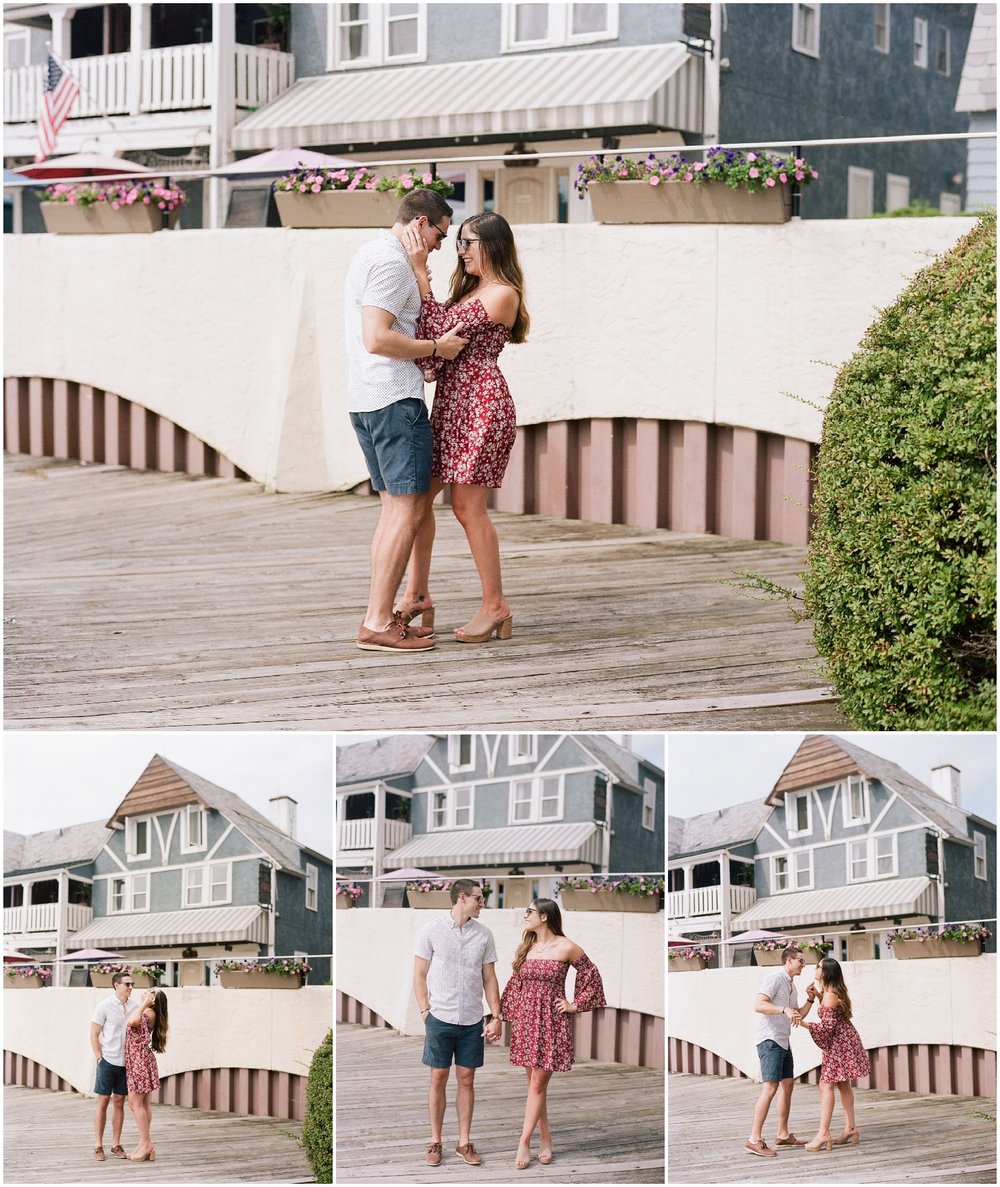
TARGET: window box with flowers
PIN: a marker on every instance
(729, 186)
(111, 208)
(770, 952)
(272, 972)
(435, 893)
(613, 892)
(144, 976)
(354, 197)
(920, 943)
(814, 948)
(688, 960)
(347, 895)
(26, 976)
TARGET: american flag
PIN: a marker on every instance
(58, 96)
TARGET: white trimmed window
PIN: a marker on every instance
(139, 892)
(872, 857)
(884, 854)
(536, 799)
(194, 832)
(857, 861)
(882, 26)
(376, 34)
(649, 804)
(312, 887)
(779, 872)
(207, 885)
(805, 29)
(522, 748)
(803, 864)
(920, 42)
(138, 841)
(542, 26)
(117, 889)
(451, 808)
(16, 49)
(860, 192)
(857, 801)
(943, 56)
(461, 752)
(979, 859)
(798, 808)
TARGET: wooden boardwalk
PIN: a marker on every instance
(49, 1137)
(606, 1120)
(141, 600)
(905, 1137)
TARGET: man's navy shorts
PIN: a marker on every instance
(775, 1061)
(110, 1080)
(445, 1041)
(397, 444)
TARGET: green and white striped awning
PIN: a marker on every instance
(518, 844)
(201, 925)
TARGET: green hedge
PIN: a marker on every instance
(901, 583)
(317, 1128)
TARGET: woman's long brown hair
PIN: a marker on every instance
(498, 253)
(159, 1039)
(553, 918)
(833, 979)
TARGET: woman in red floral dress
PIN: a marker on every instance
(534, 1002)
(145, 1032)
(473, 418)
(844, 1055)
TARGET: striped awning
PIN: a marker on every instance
(641, 87)
(520, 844)
(842, 904)
(208, 925)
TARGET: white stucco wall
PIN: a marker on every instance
(237, 335)
(209, 1027)
(375, 957)
(895, 1002)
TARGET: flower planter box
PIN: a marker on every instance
(32, 982)
(103, 980)
(764, 957)
(257, 979)
(681, 965)
(62, 218)
(336, 208)
(813, 955)
(344, 903)
(935, 949)
(607, 900)
(435, 899)
(685, 202)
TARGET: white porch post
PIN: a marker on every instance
(62, 928)
(62, 18)
(711, 93)
(272, 915)
(222, 88)
(141, 37)
(726, 908)
(378, 840)
(686, 900)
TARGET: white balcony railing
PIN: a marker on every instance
(360, 834)
(707, 900)
(43, 917)
(176, 78)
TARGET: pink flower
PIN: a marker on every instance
(316, 188)
(814, 173)
(799, 175)
(799, 162)
(428, 178)
(689, 177)
(303, 188)
(755, 173)
(114, 205)
(783, 177)
(654, 180)
(770, 182)
(698, 166)
(751, 156)
(145, 200)
(407, 183)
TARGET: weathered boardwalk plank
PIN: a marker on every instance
(139, 600)
(905, 1137)
(606, 1120)
(49, 1136)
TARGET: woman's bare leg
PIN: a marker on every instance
(534, 1109)
(469, 506)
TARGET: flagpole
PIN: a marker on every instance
(102, 114)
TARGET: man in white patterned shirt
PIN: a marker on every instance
(453, 967)
(385, 398)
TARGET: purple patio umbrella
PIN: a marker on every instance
(281, 160)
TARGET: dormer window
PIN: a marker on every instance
(798, 810)
(461, 752)
(857, 806)
(193, 829)
(137, 838)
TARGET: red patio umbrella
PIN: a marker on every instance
(81, 164)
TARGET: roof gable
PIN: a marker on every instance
(381, 758)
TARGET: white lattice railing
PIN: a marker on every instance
(707, 900)
(176, 78)
(360, 834)
(43, 917)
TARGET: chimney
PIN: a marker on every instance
(283, 813)
(946, 781)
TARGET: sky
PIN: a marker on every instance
(707, 771)
(53, 780)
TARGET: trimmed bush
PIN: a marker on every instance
(901, 583)
(317, 1128)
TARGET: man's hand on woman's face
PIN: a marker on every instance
(416, 247)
